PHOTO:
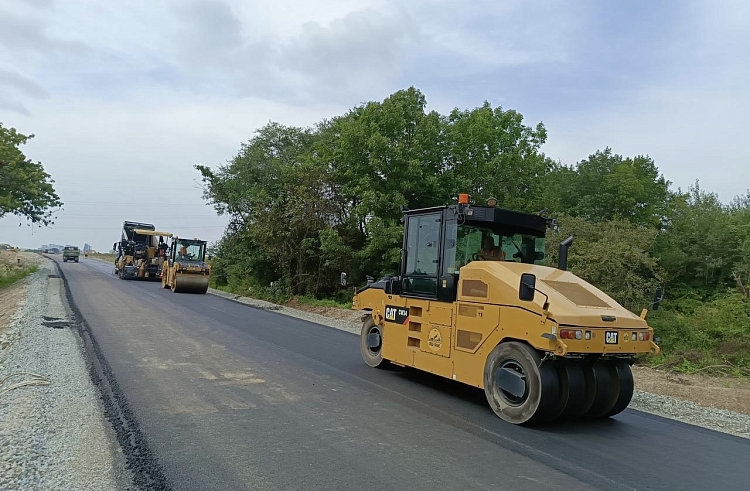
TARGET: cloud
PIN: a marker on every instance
(22, 83)
(14, 106)
(354, 54)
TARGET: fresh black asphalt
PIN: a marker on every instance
(226, 396)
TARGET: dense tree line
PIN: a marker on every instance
(307, 203)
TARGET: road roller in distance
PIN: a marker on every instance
(185, 270)
(141, 251)
(475, 303)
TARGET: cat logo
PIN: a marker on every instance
(435, 339)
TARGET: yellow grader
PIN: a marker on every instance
(141, 252)
(474, 303)
(186, 270)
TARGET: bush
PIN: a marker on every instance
(713, 335)
(11, 274)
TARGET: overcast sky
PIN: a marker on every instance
(125, 97)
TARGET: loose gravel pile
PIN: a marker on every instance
(690, 412)
(52, 437)
(660, 405)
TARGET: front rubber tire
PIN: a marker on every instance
(373, 357)
(539, 400)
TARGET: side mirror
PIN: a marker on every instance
(343, 279)
(657, 298)
(527, 289)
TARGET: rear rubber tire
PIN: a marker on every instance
(621, 371)
(607, 389)
(373, 357)
(541, 385)
(575, 396)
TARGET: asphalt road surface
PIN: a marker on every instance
(227, 396)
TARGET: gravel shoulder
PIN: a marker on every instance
(715, 403)
(53, 434)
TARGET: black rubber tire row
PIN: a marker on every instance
(558, 389)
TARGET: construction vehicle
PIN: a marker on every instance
(141, 252)
(474, 303)
(186, 270)
(71, 253)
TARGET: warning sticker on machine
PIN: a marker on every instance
(399, 315)
(610, 337)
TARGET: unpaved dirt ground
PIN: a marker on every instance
(12, 295)
(9, 298)
(332, 312)
(728, 393)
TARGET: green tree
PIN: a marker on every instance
(607, 186)
(491, 153)
(382, 156)
(615, 256)
(699, 246)
(25, 189)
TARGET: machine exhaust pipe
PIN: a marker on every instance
(564, 245)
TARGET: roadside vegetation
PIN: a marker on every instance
(10, 272)
(108, 258)
(308, 203)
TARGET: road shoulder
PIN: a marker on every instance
(53, 434)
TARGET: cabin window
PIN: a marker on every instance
(422, 254)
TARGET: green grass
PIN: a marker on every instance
(324, 302)
(9, 279)
(109, 258)
(282, 296)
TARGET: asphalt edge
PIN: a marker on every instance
(147, 472)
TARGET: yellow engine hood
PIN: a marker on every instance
(572, 301)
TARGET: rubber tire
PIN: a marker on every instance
(542, 381)
(621, 370)
(607, 389)
(373, 360)
(575, 396)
